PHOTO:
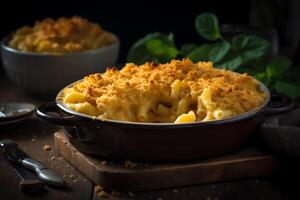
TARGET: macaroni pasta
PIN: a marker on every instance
(179, 92)
(64, 35)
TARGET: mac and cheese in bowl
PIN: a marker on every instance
(64, 35)
(176, 92)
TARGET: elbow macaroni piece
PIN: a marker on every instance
(186, 118)
(85, 108)
(221, 114)
(180, 91)
(74, 97)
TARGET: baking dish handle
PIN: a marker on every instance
(44, 112)
(279, 103)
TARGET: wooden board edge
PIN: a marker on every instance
(267, 165)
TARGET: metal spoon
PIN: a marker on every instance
(2, 114)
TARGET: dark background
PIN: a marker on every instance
(131, 20)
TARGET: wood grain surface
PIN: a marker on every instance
(115, 175)
(31, 136)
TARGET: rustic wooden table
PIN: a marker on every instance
(33, 134)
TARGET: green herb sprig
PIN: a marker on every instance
(243, 53)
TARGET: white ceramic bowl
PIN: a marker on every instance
(46, 74)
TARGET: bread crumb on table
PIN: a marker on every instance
(47, 147)
(103, 194)
(128, 163)
(98, 188)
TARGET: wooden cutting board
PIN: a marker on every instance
(245, 163)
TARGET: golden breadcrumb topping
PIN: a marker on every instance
(179, 91)
(64, 35)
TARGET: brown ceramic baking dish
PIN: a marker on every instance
(113, 139)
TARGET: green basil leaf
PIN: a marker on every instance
(249, 47)
(219, 50)
(158, 48)
(210, 52)
(289, 89)
(200, 54)
(278, 66)
(207, 26)
(231, 64)
(188, 48)
(262, 77)
(155, 47)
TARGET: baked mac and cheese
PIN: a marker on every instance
(64, 35)
(179, 92)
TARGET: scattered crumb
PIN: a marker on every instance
(103, 163)
(52, 158)
(33, 140)
(115, 193)
(71, 176)
(131, 194)
(98, 188)
(47, 147)
(75, 181)
(176, 191)
(128, 163)
(103, 194)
